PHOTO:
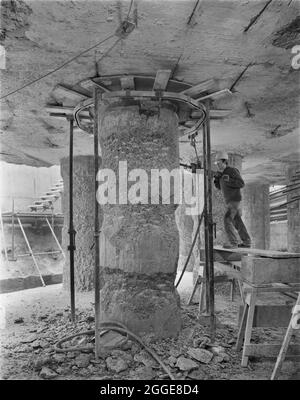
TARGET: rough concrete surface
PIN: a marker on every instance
(293, 210)
(140, 242)
(278, 236)
(83, 213)
(256, 214)
(38, 36)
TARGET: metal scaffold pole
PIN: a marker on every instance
(210, 226)
(3, 237)
(13, 231)
(96, 227)
(71, 231)
(205, 271)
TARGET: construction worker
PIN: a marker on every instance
(230, 182)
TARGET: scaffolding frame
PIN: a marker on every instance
(3, 242)
(36, 216)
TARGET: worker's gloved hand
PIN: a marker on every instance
(218, 175)
(195, 166)
(225, 178)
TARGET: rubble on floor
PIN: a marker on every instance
(191, 356)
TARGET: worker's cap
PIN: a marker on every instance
(222, 155)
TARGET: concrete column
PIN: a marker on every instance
(218, 203)
(141, 241)
(83, 205)
(185, 226)
(256, 214)
(187, 221)
(293, 208)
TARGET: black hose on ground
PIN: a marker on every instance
(114, 326)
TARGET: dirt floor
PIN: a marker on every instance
(32, 321)
(25, 267)
(22, 273)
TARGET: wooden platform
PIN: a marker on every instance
(33, 217)
(257, 252)
(262, 271)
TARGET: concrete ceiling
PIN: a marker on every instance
(38, 36)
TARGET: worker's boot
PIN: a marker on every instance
(230, 246)
(245, 245)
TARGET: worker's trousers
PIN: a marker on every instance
(234, 225)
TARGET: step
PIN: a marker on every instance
(43, 203)
(50, 197)
(36, 207)
(54, 192)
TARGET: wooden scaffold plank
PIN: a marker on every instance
(63, 91)
(127, 82)
(194, 91)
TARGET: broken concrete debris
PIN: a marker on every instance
(144, 358)
(186, 364)
(116, 364)
(202, 355)
(112, 339)
(122, 357)
(47, 373)
(83, 360)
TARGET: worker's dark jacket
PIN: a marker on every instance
(231, 187)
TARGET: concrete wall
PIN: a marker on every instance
(278, 235)
(25, 184)
(83, 220)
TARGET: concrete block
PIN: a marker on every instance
(28, 282)
(263, 270)
(269, 316)
(272, 351)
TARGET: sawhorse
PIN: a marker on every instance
(229, 273)
(247, 322)
(293, 325)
